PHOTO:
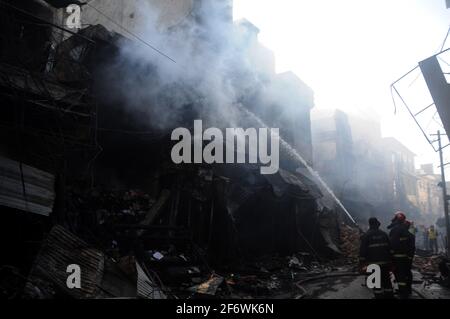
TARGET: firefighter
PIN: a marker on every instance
(432, 239)
(376, 249)
(403, 249)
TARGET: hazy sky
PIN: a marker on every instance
(350, 51)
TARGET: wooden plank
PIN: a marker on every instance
(155, 210)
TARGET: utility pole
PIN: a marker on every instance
(444, 192)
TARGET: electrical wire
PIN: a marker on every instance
(130, 33)
(86, 38)
(44, 21)
(445, 40)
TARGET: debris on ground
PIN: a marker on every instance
(209, 287)
(427, 264)
(350, 239)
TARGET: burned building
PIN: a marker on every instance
(402, 175)
(86, 142)
(291, 111)
(333, 148)
(429, 194)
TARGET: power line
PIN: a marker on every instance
(445, 40)
(45, 22)
(82, 36)
(131, 33)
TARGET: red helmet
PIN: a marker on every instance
(399, 216)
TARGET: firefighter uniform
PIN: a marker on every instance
(403, 249)
(375, 249)
(432, 239)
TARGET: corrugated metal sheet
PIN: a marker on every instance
(61, 249)
(146, 288)
(286, 183)
(35, 195)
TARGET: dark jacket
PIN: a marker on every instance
(375, 247)
(402, 241)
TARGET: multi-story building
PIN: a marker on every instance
(333, 148)
(369, 160)
(257, 56)
(400, 171)
(429, 194)
(132, 17)
(290, 102)
(347, 153)
(373, 176)
(282, 100)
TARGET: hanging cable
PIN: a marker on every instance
(445, 40)
(130, 33)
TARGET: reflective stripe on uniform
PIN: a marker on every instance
(378, 245)
(404, 238)
(378, 291)
(400, 255)
(402, 283)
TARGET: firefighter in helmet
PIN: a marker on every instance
(403, 249)
(376, 249)
(432, 239)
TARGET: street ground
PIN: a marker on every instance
(353, 287)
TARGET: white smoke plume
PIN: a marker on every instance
(211, 73)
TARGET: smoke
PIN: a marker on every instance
(210, 75)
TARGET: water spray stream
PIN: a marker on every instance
(296, 156)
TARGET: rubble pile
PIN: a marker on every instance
(271, 277)
(131, 246)
(274, 277)
(111, 206)
(166, 271)
(179, 270)
(427, 264)
(350, 241)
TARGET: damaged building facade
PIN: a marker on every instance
(85, 156)
(429, 194)
(348, 155)
(373, 176)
